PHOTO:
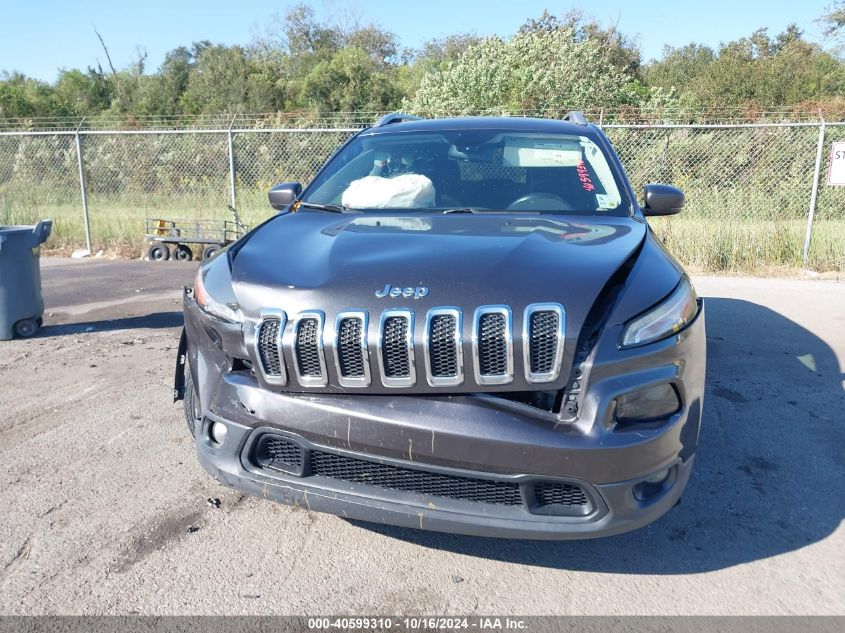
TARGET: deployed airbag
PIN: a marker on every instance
(408, 191)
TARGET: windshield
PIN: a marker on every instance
(470, 171)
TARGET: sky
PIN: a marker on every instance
(40, 37)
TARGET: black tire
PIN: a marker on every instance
(158, 253)
(191, 404)
(209, 251)
(183, 253)
(26, 328)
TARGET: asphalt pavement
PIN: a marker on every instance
(105, 509)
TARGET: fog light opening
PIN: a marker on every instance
(217, 432)
(647, 404)
(654, 485)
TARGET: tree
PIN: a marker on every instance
(834, 19)
(679, 67)
(83, 94)
(298, 54)
(536, 69)
(621, 50)
(224, 80)
(24, 97)
(757, 72)
(347, 82)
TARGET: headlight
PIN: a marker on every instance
(670, 316)
(213, 291)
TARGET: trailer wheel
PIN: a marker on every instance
(210, 251)
(183, 253)
(158, 253)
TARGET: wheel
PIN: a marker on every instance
(158, 252)
(210, 251)
(191, 403)
(183, 253)
(26, 328)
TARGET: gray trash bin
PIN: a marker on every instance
(21, 305)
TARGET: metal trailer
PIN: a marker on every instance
(210, 235)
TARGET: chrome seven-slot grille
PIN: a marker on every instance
(304, 340)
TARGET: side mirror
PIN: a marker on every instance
(282, 195)
(663, 200)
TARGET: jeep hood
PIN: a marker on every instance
(325, 261)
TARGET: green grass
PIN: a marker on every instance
(731, 243)
(750, 245)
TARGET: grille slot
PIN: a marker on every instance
(351, 355)
(395, 348)
(269, 351)
(396, 353)
(416, 481)
(268, 346)
(493, 352)
(492, 340)
(443, 347)
(543, 339)
(351, 362)
(308, 349)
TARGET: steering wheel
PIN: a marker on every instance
(539, 201)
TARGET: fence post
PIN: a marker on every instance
(814, 194)
(82, 188)
(232, 192)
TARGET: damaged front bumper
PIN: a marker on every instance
(469, 464)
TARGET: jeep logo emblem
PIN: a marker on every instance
(395, 291)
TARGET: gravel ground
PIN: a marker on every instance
(104, 508)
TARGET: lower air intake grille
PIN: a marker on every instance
(279, 453)
(395, 347)
(544, 341)
(492, 345)
(560, 494)
(282, 454)
(443, 349)
(349, 354)
(404, 479)
(267, 348)
(307, 348)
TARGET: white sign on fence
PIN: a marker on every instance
(836, 173)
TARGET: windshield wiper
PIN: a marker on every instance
(333, 208)
(462, 210)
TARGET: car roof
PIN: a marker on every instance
(515, 124)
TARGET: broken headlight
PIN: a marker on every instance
(213, 291)
(668, 317)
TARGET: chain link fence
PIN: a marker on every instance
(749, 186)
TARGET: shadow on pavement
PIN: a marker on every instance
(769, 471)
(157, 320)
